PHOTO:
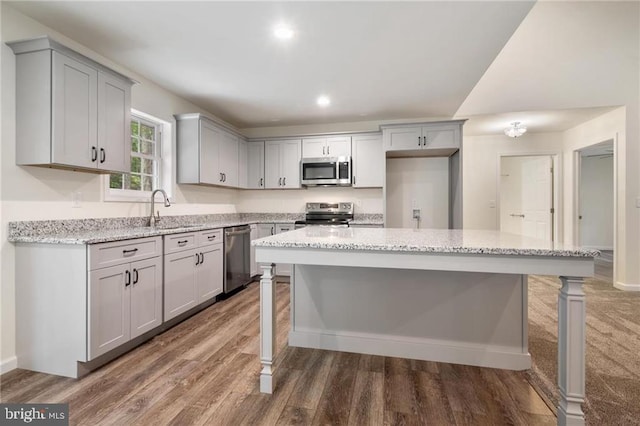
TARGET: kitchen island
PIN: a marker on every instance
(455, 296)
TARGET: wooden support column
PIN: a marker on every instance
(267, 327)
(571, 351)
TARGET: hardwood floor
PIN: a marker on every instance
(205, 371)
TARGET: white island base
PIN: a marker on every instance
(378, 292)
(459, 317)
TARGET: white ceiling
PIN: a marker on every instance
(558, 63)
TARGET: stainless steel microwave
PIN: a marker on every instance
(327, 171)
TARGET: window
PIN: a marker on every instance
(147, 162)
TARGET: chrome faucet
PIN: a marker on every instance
(153, 220)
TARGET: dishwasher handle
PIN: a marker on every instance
(232, 232)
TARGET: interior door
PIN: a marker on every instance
(526, 196)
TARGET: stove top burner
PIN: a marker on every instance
(328, 214)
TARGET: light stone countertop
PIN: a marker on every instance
(102, 230)
(421, 240)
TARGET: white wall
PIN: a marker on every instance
(611, 126)
(596, 202)
(480, 172)
(39, 193)
(421, 183)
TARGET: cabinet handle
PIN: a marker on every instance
(224, 175)
(127, 278)
(272, 230)
(211, 237)
(201, 258)
(280, 182)
(284, 181)
(323, 150)
(354, 179)
(260, 182)
(424, 141)
(220, 178)
(94, 154)
(182, 243)
(197, 259)
(127, 252)
(103, 155)
(328, 150)
(419, 140)
(135, 276)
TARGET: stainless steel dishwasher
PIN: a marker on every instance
(237, 268)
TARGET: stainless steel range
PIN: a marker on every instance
(327, 214)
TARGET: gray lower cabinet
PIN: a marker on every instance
(193, 265)
(125, 301)
(82, 301)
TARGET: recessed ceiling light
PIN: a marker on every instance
(323, 101)
(283, 32)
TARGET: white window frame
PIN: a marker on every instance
(164, 165)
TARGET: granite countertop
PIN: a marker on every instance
(421, 240)
(92, 231)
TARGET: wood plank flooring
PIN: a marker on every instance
(205, 371)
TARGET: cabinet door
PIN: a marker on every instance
(283, 268)
(314, 147)
(114, 124)
(439, 137)
(243, 172)
(180, 286)
(368, 161)
(209, 272)
(209, 153)
(255, 165)
(290, 164)
(272, 176)
(228, 160)
(109, 309)
(74, 113)
(402, 138)
(146, 295)
(339, 146)
(266, 230)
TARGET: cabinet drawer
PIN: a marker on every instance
(119, 252)
(207, 238)
(179, 242)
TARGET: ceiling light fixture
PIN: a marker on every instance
(515, 130)
(283, 32)
(323, 101)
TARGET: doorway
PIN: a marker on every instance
(595, 204)
(528, 196)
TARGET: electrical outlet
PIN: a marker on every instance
(416, 213)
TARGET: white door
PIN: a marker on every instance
(526, 196)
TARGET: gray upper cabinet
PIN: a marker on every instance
(438, 138)
(330, 146)
(368, 161)
(71, 112)
(207, 153)
(255, 165)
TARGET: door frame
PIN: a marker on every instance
(556, 187)
(577, 160)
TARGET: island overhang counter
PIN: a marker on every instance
(455, 296)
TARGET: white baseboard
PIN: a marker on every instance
(8, 364)
(627, 287)
(427, 350)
